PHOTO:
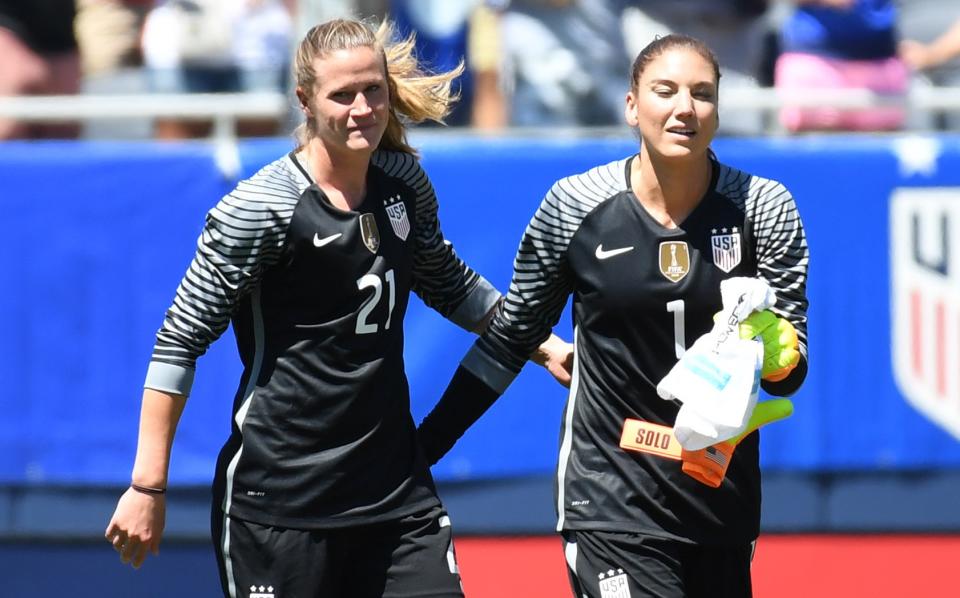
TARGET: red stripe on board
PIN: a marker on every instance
(876, 566)
(916, 329)
(784, 566)
(531, 567)
(941, 352)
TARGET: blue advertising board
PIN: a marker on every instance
(97, 236)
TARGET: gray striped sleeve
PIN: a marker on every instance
(440, 278)
(780, 243)
(541, 277)
(243, 234)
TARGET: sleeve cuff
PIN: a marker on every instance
(166, 377)
(487, 369)
(476, 307)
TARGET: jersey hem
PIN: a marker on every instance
(331, 522)
(624, 527)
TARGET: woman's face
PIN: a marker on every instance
(674, 104)
(350, 103)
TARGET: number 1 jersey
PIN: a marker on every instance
(641, 294)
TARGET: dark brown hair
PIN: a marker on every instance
(660, 45)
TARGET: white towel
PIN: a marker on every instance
(718, 378)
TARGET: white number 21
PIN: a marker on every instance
(368, 281)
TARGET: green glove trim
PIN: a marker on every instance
(765, 413)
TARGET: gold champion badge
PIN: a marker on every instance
(674, 260)
(369, 232)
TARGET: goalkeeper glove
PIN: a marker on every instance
(780, 344)
(709, 465)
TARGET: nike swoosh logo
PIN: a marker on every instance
(318, 242)
(602, 255)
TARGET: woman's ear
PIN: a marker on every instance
(630, 110)
(302, 98)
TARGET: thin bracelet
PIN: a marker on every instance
(148, 490)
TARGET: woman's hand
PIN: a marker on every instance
(556, 355)
(137, 526)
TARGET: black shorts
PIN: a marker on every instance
(612, 565)
(409, 557)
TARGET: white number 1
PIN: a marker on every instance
(373, 281)
(679, 334)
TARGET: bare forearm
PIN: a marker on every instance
(947, 46)
(159, 415)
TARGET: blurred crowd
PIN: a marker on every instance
(529, 63)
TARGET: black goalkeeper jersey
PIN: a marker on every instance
(322, 434)
(642, 293)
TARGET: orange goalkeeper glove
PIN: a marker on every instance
(709, 465)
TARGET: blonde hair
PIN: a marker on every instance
(415, 95)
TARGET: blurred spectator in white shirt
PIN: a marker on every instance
(210, 46)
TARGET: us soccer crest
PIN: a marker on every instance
(674, 260)
(613, 584)
(397, 212)
(369, 232)
(726, 245)
(925, 297)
